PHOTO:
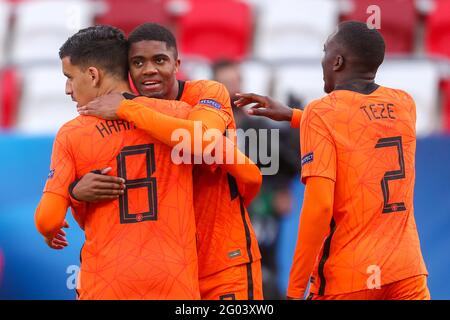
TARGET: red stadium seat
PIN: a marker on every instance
(219, 29)
(128, 14)
(398, 20)
(9, 97)
(445, 87)
(438, 29)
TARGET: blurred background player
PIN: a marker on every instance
(143, 245)
(229, 256)
(358, 163)
(228, 72)
(273, 202)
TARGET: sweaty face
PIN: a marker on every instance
(79, 83)
(328, 61)
(153, 69)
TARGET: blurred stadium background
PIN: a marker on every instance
(264, 46)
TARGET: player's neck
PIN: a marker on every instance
(174, 92)
(114, 86)
(364, 84)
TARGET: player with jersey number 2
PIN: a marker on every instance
(357, 236)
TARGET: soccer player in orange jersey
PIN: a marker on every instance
(357, 236)
(142, 245)
(228, 252)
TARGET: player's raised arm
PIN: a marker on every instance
(265, 106)
(211, 112)
(143, 114)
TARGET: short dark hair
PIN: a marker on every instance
(367, 45)
(154, 32)
(102, 45)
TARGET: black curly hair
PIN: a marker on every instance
(102, 45)
(154, 32)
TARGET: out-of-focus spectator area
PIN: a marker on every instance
(278, 43)
(270, 47)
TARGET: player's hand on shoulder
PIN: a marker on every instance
(94, 187)
(104, 107)
(59, 241)
(264, 106)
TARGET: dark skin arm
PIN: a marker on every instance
(265, 106)
(94, 187)
(103, 107)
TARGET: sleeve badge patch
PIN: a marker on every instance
(211, 103)
(51, 174)
(307, 158)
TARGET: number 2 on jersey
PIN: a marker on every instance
(148, 182)
(392, 175)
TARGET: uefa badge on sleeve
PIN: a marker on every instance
(308, 158)
(51, 173)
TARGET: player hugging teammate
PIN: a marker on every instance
(159, 230)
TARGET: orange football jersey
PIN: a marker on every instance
(143, 245)
(225, 234)
(366, 144)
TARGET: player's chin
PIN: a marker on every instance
(151, 93)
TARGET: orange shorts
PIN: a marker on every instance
(414, 288)
(241, 282)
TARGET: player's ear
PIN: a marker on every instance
(177, 65)
(338, 63)
(94, 75)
